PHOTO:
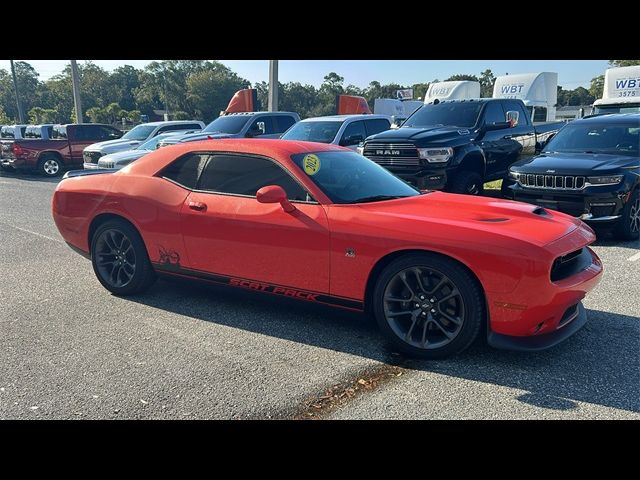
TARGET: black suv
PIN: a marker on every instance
(591, 170)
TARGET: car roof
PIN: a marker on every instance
(170, 122)
(256, 113)
(610, 118)
(342, 118)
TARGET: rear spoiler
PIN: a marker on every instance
(83, 173)
(351, 104)
(245, 100)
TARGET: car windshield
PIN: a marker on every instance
(456, 114)
(152, 143)
(612, 139)
(141, 132)
(228, 124)
(323, 132)
(346, 177)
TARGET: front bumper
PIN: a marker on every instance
(574, 322)
(426, 179)
(596, 205)
(90, 166)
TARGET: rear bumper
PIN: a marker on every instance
(17, 163)
(541, 342)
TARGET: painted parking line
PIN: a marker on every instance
(32, 233)
(635, 257)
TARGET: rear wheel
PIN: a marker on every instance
(467, 182)
(628, 227)
(120, 259)
(50, 166)
(428, 306)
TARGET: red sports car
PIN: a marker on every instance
(323, 224)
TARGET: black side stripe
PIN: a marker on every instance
(264, 287)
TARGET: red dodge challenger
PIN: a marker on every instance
(323, 224)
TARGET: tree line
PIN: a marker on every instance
(201, 89)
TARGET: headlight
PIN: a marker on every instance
(514, 175)
(435, 155)
(605, 180)
(360, 149)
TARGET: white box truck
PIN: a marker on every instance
(621, 92)
(398, 110)
(538, 91)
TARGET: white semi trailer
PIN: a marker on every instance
(621, 92)
(538, 91)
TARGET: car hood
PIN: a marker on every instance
(575, 164)
(426, 214)
(128, 155)
(111, 146)
(433, 134)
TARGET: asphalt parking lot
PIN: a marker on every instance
(69, 349)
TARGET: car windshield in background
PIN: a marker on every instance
(141, 132)
(605, 139)
(227, 124)
(458, 114)
(346, 177)
(323, 132)
(152, 143)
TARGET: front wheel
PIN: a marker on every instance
(467, 182)
(120, 259)
(628, 227)
(428, 306)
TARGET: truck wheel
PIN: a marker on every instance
(428, 306)
(628, 227)
(50, 166)
(120, 259)
(467, 182)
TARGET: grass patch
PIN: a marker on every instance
(495, 185)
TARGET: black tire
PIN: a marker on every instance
(467, 182)
(50, 165)
(505, 191)
(133, 270)
(468, 297)
(628, 227)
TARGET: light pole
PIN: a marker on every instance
(273, 85)
(75, 83)
(15, 88)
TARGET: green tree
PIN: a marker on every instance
(134, 116)
(36, 114)
(97, 115)
(624, 63)
(487, 81)
(462, 76)
(181, 115)
(113, 112)
(597, 86)
(4, 119)
(123, 81)
(420, 90)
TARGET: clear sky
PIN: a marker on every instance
(571, 73)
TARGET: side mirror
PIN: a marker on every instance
(513, 117)
(352, 140)
(275, 194)
(488, 127)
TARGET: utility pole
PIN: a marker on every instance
(166, 99)
(75, 82)
(273, 85)
(15, 88)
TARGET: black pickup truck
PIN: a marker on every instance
(458, 145)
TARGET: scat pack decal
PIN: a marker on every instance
(311, 164)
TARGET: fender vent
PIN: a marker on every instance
(493, 220)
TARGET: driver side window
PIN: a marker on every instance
(245, 175)
(353, 134)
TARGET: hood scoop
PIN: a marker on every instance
(493, 220)
(540, 211)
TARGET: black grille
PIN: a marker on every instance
(392, 154)
(551, 182)
(91, 157)
(570, 264)
(602, 210)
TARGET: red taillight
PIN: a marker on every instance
(17, 150)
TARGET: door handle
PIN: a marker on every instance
(508, 137)
(198, 206)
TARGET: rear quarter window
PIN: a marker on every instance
(186, 170)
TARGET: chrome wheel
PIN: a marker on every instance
(423, 307)
(51, 167)
(634, 216)
(115, 258)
